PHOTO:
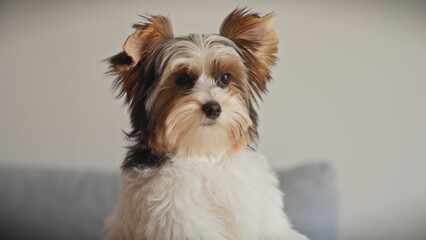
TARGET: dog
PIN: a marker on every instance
(192, 171)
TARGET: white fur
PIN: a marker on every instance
(203, 136)
(236, 197)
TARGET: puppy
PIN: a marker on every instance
(192, 171)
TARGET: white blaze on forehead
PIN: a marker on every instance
(177, 51)
(206, 90)
(203, 89)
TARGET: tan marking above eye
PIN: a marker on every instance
(185, 70)
(232, 65)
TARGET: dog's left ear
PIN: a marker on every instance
(258, 42)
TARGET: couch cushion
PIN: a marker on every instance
(48, 204)
(59, 204)
(310, 200)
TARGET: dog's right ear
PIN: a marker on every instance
(156, 29)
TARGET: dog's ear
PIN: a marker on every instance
(258, 42)
(156, 29)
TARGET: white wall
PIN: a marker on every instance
(350, 88)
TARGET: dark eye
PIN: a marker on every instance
(183, 80)
(224, 80)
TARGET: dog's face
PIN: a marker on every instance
(192, 96)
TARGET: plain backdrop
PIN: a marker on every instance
(349, 89)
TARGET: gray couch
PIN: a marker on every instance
(41, 204)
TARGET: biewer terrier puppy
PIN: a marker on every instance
(192, 171)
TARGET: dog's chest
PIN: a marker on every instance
(235, 195)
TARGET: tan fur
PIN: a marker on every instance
(146, 36)
(258, 41)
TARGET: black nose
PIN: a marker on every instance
(212, 109)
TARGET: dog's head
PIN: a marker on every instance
(193, 96)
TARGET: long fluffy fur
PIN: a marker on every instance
(198, 199)
(188, 175)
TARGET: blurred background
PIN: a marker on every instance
(349, 89)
